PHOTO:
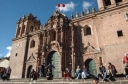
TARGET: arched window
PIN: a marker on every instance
(87, 31)
(18, 31)
(117, 1)
(23, 30)
(31, 29)
(32, 44)
(107, 2)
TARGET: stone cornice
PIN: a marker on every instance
(92, 15)
(24, 36)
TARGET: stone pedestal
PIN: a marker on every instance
(73, 73)
(59, 74)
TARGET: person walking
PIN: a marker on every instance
(95, 81)
(125, 62)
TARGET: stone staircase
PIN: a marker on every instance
(118, 80)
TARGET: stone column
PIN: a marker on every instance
(125, 1)
(72, 46)
(100, 4)
(56, 35)
(43, 40)
(17, 27)
(61, 35)
(113, 3)
(38, 60)
(47, 37)
(96, 35)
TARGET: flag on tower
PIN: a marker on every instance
(61, 5)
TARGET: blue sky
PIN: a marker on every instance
(12, 10)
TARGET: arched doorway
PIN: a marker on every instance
(53, 59)
(91, 66)
(29, 70)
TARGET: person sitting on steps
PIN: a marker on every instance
(85, 73)
(78, 72)
(49, 75)
(102, 72)
(67, 74)
(33, 75)
(111, 70)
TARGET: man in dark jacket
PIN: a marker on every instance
(8, 72)
(50, 66)
(102, 72)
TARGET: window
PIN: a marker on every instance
(31, 29)
(32, 44)
(18, 31)
(120, 33)
(117, 1)
(16, 54)
(107, 2)
(23, 29)
(87, 31)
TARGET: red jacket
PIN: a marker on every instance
(125, 60)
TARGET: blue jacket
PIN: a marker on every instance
(102, 69)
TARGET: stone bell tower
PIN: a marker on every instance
(20, 44)
(103, 4)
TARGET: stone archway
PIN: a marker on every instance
(53, 58)
(29, 70)
(91, 66)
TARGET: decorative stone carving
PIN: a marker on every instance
(54, 45)
(31, 59)
(90, 49)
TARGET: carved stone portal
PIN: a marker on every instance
(54, 45)
(89, 52)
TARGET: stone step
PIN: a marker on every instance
(66, 82)
(118, 80)
(60, 79)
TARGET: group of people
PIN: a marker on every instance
(33, 73)
(5, 73)
(103, 73)
(83, 73)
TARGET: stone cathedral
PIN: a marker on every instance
(88, 39)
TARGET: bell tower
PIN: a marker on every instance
(103, 4)
(26, 27)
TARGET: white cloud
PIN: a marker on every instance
(86, 4)
(9, 48)
(68, 7)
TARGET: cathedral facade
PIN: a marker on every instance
(85, 40)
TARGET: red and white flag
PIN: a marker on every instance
(61, 5)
